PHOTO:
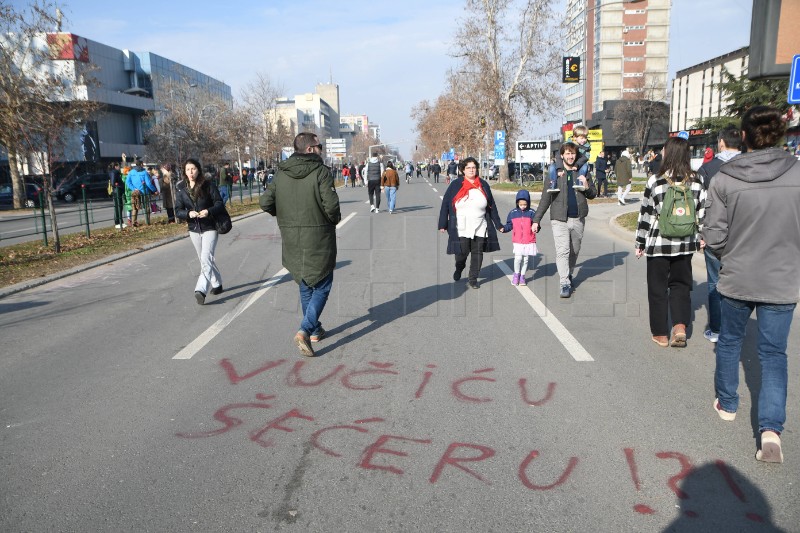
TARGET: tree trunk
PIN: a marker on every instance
(17, 183)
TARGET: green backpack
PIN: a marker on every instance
(677, 218)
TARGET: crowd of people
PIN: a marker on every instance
(742, 205)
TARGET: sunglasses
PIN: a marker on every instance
(316, 146)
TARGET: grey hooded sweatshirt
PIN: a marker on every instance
(752, 223)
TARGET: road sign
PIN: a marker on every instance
(533, 152)
(571, 71)
(794, 81)
(499, 145)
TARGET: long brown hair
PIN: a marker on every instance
(677, 164)
(200, 188)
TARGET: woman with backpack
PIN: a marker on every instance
(668, 234)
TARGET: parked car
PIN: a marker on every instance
(32, 193)
(96, 186)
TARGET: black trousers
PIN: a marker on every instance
(473, 248)
(374, 188)
(669, 288)
(602, 183)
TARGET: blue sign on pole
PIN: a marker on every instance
(794, 81)
(499, 144)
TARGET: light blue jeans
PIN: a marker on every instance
(391, 196)
(774, 321)
(204, 244)
(313, 300)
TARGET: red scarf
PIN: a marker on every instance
(466, 186)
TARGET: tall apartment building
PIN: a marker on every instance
(696, 92)
(623, 46)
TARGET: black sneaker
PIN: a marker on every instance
(473, 284)
(457, 273)
(200, 297)
(217, 290)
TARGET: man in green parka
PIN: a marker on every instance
(303, 198)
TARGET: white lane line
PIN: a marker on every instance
(191, 349)
(441, 198)
(434, 189)
(575, 349)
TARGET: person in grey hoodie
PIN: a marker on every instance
(751, 224)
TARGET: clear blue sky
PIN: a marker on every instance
(385, 56)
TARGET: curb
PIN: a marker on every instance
(32, 283)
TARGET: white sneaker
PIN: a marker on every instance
(118, 226)
(377, 210)
(372, 209)
(553, 190)
(711, 336)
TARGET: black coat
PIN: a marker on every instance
(447, 219)
(210, 200)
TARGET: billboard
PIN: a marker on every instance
(774, 38)
(595, 138)
(68, 46)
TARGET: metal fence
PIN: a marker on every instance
(87, 213)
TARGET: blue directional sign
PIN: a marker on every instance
(794, 81)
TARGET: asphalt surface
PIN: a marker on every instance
(430, 406)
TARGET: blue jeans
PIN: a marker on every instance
(774, 321)
(583, 171)
(223, 191)
(391, 196)
(712, 275)
(313, 300)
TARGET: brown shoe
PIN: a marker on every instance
(661, 340)
(303, 343)
(678, 336)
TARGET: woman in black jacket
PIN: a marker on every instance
(198, 201)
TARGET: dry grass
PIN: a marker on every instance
(31, 260)
(629, 220)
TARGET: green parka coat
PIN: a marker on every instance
(304, 200)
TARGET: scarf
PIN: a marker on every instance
(466, 186)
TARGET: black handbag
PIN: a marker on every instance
(223, 222)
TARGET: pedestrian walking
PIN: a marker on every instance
(624, 173)
(753, 210)
(372, 172)
(353, 175)
(345, 174)
(469, 215)
(168, 190)
(568, 211)
(729, 144)
(520, 224)
(198, 201)
(436, 168)
(669, 254)
(390, 181)
(303, 198)
(600, 167)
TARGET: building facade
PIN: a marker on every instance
(129, 85)
(316, 112)
(624, 50)
(696, 92)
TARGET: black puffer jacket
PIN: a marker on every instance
(208, 199)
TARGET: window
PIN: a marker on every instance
(633, 75)
(635, 11)
(633, 59)
(629, 28)
(633, 43)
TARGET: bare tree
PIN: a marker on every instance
(635, 117)
(510, 69)
(42, 96)
(259, 99)
(193, 123)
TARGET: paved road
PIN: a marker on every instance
(431, 407)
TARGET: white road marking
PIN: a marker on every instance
(575, 349)
(434, 189)
(191, 349)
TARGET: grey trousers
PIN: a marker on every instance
(205, 243)
(567, 236)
